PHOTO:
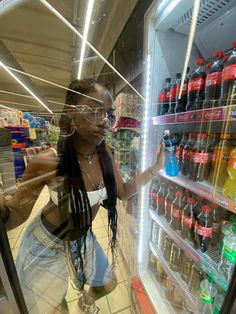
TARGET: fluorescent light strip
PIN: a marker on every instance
(85, 36)
(17, 103)
(54, 11)
(24, 86)
(5, 107)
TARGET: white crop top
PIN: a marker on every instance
(95, 197)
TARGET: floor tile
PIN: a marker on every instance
(72, 294)
(100, 232)
(126, 311)
(119, 299)
(124, 270)
(103, 305)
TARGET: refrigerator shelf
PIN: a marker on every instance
(227, 113)
(175, 277)
(203, 189)
(208, 261)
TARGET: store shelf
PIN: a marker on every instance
(175, 277)
(203, 189)
(204, 115)
(208, 261)
(126, 128)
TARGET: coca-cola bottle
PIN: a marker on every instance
(165, 96)
(153, 195)
(182, 101)
(228, 80)
(196, 86)
(216, 225)
(187, 152)
(213, 81)
(161, 200)
(169, 200)
(188, 220)
(200, 159)
(179, 150)
(176, 212)
(204, 228)
(172, 100)
(213, 140)
(199, 201)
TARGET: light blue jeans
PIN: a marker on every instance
(44, 268)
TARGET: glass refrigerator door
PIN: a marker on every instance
(187, 243)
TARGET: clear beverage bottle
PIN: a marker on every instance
(176, 212)
(200, 159)
(228, 256)
(187, 152)
(164, 97)
(216, 226)
(153, 194)
(229, 185)
(186, 268)
(196, 86)
(226, 229)
(179, 150)
(176, 256)
(171, 166)
(152, 262)
(169, 200)
(182, 101)
(172, 100)
(213, 81)
(160, 200)
(207, 294)
(160, 272)
(204, 228)
(188, 220)
(167, 247)
(217, 304)
(228, 85)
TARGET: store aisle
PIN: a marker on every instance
(116, 302)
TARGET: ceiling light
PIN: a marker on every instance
(85, 36)
(24, 86)
(5, 107)
(6, 5)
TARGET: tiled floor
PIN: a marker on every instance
(116, 302)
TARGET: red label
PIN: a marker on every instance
(213, 79)
(229, 72)
(179, 152)
(203, 231)
(196, 84)
(200, 158)
(160, 200)
(184, 90)
(176, 213)
(163, 96)
(153, 196)
(172, 92)
(188, 221)
(186, 154)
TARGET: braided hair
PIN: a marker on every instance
(73, 192)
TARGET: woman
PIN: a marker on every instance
(81, 176)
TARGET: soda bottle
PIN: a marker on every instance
(228, 257)
(217, 304)
(204, 228)
(153, 195)
(171, 166)
(213, 140)
(188, 220)
(220, 159)
(213, 81)
(172, 100)
(199, 159)
(165, 96)
(198, 205)
(228, 80)
(176, 255)
(207, 294)
(186, 268)
(196, 86)
(229, 186)
(160, 200)
(161, 240)
(169, 200)
(216, 226)
(167, 247)
(179, 150)
(226, 229)
(182, 101)
(187, 152)
(176, 212)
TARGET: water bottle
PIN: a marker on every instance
(217, 304)
(207, 294)
(171, 166)
(228, 257)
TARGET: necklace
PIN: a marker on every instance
(95, 187)
(88, 157)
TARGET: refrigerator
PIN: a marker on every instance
(186, 272)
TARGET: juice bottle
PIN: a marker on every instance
(186, 156)
(179, 150)
(204, 228)
(176, 212)
(230, 184)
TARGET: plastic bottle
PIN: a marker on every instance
(196, 86)
(153, 195)
(160, 200)
(228, 257)
(207, 294)
(159, 272)
(176, 256)
(204, 228)
(230, 184)
(225, 230)
(200, 159)
(167, 247)
(217, 304)
(195, 280)
(171, 166)
(169, 200)
(216, 226)
(197, 209)
(179, 150)
(188, 220)
(186, 268)
(164, 97)
(176, 212)
(152, 262)
(182, 101)
(186, 156)
(213, 81)
(213, 140)
(228, 85)
(172, 100)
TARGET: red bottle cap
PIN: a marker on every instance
(191, 201)
(199, 61)
(218, 53)
(202, 135)
(225, 58)
(179, 194)
(208, 65)
(233, 44)
(206, 209)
